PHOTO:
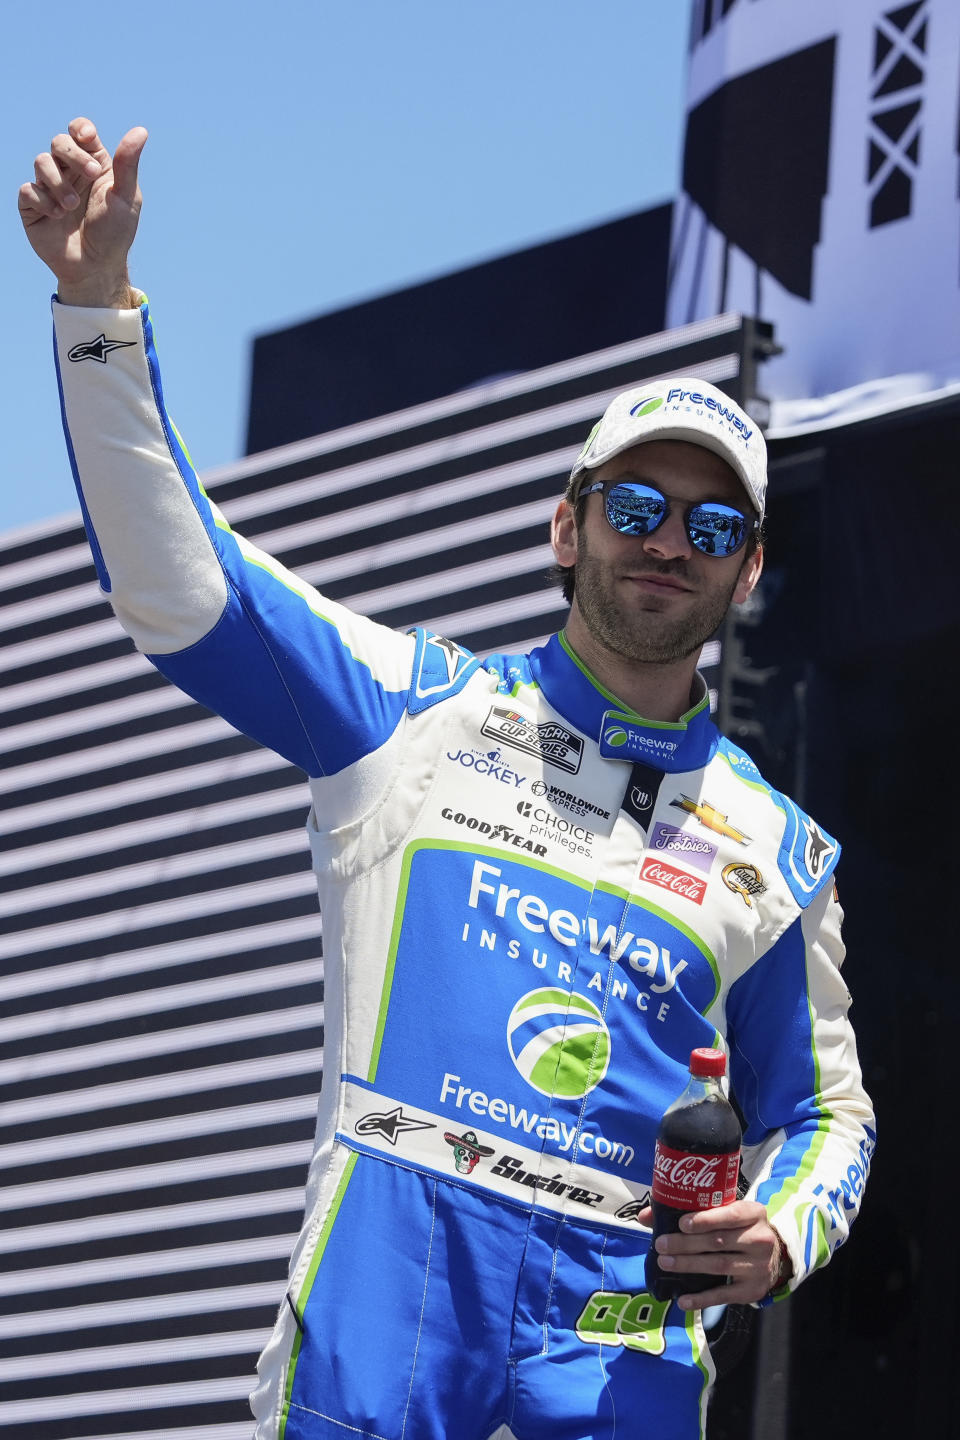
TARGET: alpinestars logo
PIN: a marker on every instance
(549, 741)
(390, 1124)
(818, 850)
(453, 654)
(97, 349)
(633, 1209)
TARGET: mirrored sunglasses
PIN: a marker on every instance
(635, 509)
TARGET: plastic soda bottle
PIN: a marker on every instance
(696, 1165)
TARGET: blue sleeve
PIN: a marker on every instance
(297, 672)
(224, 621)
(809, 1129)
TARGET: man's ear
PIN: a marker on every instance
(563, 534)
(750, 573)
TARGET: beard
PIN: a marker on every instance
(643, 631)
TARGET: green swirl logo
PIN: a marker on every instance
(559, 1042)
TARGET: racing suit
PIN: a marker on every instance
(535, 904)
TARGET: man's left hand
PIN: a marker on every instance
(733, 1240)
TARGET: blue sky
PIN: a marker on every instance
(303, 156)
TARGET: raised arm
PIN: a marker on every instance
(80, 214)
(225, 622)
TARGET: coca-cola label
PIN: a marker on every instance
(679, 882)
(694, 1182)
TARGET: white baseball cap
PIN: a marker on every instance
(681, 408)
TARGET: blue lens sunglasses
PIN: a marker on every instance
(636, 509)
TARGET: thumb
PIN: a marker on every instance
(126, 161)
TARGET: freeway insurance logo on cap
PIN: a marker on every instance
(647, 405)
(559, 1042)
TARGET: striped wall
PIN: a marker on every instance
(161, 980)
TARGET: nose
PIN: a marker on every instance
(670, 540)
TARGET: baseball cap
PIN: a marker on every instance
(681, 408)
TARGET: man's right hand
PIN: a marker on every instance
(80, 214)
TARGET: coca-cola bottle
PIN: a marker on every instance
(695, 1166)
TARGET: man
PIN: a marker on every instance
(519, 956)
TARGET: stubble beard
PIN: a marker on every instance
(647, 636)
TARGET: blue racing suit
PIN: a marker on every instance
(535, 904)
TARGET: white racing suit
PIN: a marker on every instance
(535, 904)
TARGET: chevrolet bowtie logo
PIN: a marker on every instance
(708, 815)
(97, 349)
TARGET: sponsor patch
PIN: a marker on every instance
(492, 764)
(518, 1164)
(678, 882)
(493, 830)
(744, 880)
(559, 1042)
(97, 349)
(691, 849)
(711, 817)
(440, 668)
(622, 739)
(807, 853)
(740, 763)
(576, 804)
(510, 1168)
(819, 850)
(549, 741)
(390, 1124)
(467, 1150)
(634, 1208)
(569, 1138)
(567, 833)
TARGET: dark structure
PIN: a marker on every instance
(755, 161)
(860, 625)
(519, 312)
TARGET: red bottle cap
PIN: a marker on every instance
(708, 1062)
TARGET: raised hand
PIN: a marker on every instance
(80, 213)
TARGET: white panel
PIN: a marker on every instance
(885, 296)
